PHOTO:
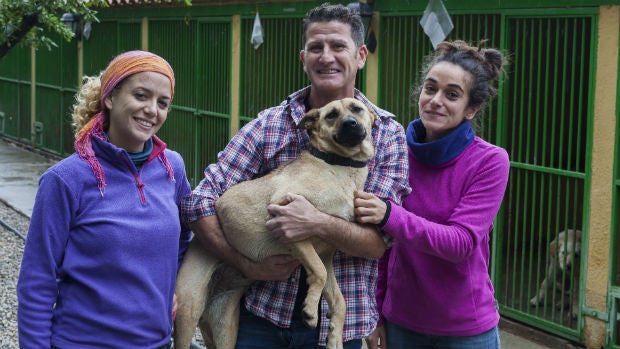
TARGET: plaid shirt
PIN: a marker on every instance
(273, 139)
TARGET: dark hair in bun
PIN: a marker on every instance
(484, 64)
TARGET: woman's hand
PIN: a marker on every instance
(174, 306)
(376, 340)
(369, 209)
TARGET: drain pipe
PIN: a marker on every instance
(33, 95)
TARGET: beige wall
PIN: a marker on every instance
(604, 135)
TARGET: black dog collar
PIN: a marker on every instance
(334, 159)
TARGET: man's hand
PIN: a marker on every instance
(209, 233)
(294, 219)
(278, 267)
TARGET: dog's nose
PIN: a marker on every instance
(350, 122)
(350, 132)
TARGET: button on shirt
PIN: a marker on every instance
(273, 139)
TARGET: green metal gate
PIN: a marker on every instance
(199, 51)
(547, 125)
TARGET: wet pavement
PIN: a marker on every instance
(20, 169)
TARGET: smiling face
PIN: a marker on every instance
(138, 109)
(444, 99)
(331, 59)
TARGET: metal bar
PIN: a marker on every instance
(548, 170)
(533, 129)
(580, 101)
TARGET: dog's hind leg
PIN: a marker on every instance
(191, 291)
(220, 321)
(304, 251)
(335, 300)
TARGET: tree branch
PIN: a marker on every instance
(28, 22)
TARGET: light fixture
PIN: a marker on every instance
(364, 10)
(73, 22)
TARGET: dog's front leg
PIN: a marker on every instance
(542, 291)
(574, 306)
(304, 251)
(335, 300)
(191, 290)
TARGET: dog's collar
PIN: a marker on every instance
(334, 159)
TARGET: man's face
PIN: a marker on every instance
(331, 58)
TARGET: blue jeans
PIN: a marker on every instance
(256, 332)
(400, 337)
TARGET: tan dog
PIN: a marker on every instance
(327, 176)
(564, 253)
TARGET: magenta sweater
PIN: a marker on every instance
(437, 269)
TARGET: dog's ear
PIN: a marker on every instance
(577, 242)
(310, 119)
(578, 248)
(373, 118)
(553, 248)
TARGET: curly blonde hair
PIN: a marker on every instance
(87, 102)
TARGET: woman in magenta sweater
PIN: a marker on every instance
(434, 289)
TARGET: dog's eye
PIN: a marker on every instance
(331, 115)
(356, 109)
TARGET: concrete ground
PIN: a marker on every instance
(20, 169)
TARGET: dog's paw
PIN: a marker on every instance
(534, 302)
(311, 319)
(334, 342)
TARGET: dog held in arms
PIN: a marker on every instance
(562, 266)
(209, 292)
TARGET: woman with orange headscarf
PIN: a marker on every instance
(105, 239)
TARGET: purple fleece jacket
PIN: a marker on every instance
(98, 271)
(434, 279)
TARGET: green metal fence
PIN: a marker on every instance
(15, 92)
(107, 39)
(542, 115)
(274, 70)
(547, 136)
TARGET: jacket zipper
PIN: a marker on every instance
(136, 177)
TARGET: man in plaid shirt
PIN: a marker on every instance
(271, 317)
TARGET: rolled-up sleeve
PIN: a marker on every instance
(239, 161)
(389, 170)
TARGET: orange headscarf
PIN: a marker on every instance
(119, 69)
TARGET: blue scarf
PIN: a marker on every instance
(140, 158)
(442, 150)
